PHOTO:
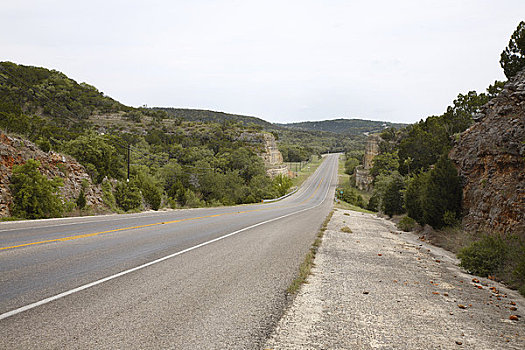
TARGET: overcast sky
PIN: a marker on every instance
(282, 61)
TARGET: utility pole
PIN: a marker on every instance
(129, 153)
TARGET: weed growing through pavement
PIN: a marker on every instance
(346, 229)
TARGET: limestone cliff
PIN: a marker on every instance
(490, 160)
(268, 151)
(363, 179)
(16, 151)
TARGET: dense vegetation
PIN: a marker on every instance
(413, 175)
(174, 162)
(34, 195)
(295, 143)
(347, 127)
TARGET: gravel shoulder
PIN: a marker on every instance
(377, 287)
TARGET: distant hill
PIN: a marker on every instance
(46, 104)
(345, 126)
(200, 115)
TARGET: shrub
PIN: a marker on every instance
(373, 202)
(107, 195)
(34, 195)
(413, 196)
(282, 184)
(350, 165)
(484, 257)
(149, 186)
(81, 200)
(450, 218)
(127, 196)
(406, 224)
(392, 203)
(441, 193)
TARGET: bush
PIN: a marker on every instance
(81, 200)
(107, 195)
(282, 184)
(150, 187)
(413, 197)
(450, 219)
(406, 224)
(441, 193)
(350, 165)
(484, 257)
(34, 195)
(350, 195)
(392, 203)
(127, 196)
(373, 202)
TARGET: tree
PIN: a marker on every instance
(127, 195)
(442, 193)
(350, 165)
(97, 154)
(384, 163)
(34, 195)
(413, 205)
(282, 184)
(392, 203)
(149, 186)
(513, 57)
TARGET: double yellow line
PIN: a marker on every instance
(70, 238)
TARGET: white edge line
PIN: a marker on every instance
(105, 279)
(91, 219)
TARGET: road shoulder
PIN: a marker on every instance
(375, 287)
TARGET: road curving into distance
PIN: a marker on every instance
(207, 278)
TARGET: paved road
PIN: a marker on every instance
(220, 282)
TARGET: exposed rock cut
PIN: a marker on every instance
(16, 151)
(363, 179)
(272, 157)
(490, 160)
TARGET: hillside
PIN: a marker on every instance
(200, 115)
(347, 127)
(174, 162)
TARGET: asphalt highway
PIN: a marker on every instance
(209, 278)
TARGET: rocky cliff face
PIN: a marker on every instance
(16, 151)
(272, 157)
(490, 157)
(363, 179)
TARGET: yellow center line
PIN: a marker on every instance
(313, 194)
(70, 238)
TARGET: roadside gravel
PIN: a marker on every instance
(377, 287)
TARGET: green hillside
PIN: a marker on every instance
(200, 115)
(175, 162)
(349, 127)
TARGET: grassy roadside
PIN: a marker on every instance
(347, 206)
(306, 266)
(305, 172)
(343, 179)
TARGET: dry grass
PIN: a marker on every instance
(305, 172)
(306, 266)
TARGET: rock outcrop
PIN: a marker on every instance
(363, 179)
(269, 152)
(16, 151)
(490, 157)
